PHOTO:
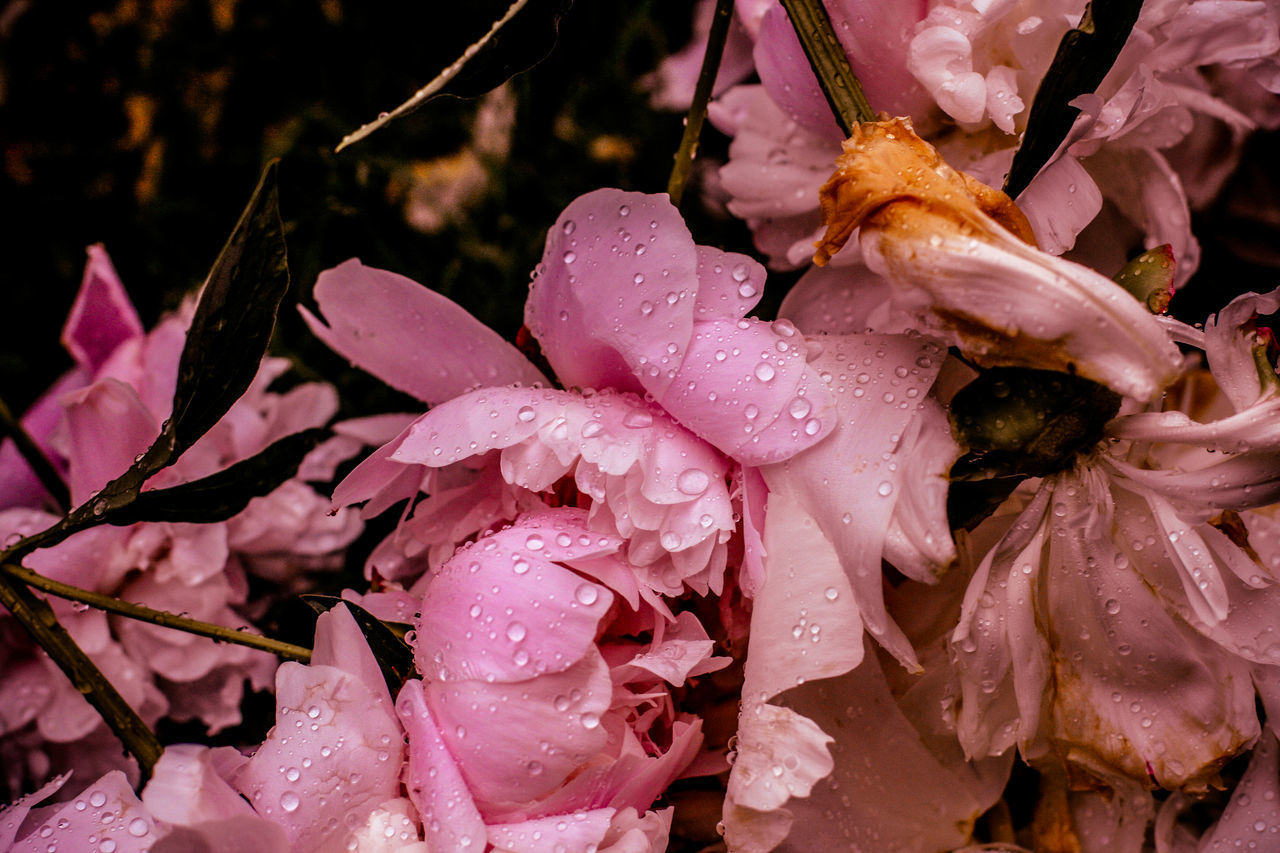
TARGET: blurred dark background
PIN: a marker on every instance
(144, 124)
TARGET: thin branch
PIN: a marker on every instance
(716, 39)
(830, 64)
(156, 617)
(37, 617)
(34, 455)
(420, 97)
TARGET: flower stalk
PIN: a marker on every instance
(141, 613)
(701, 96)
(830, 64)
(38, 619)
(34, 456)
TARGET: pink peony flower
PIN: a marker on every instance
(1129, 581)
(535, 717)
(108, 411)
(966, 75)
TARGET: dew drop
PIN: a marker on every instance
(525, 414)
(570, 256)
(764, 371)
(138, 827)
(289, 801)
(693, 481)
(516, 632)
(587, 594)
(799, 408)
(534, 542)
(590, 720)
(884, 489)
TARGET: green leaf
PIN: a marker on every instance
(1084, 57)
(392, 653)
(234, 318)
(225, 493)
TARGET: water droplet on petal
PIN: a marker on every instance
(570, 256)
(765, 371)
(516, 632)
(525, 414)
(289, 801)
(799, 407)
(693, 482)
(534, 542)
(884, 489)
(587, 594)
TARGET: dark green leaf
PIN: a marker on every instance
(233, 320)
(225, 493)
(392, 653)
(527, 39)
(1084, 57)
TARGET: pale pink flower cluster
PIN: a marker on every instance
(92, 424)
(1162, 133)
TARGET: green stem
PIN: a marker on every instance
(702, 92)
(31, 452)
(830, 63)
(156, 617)
(37, 617)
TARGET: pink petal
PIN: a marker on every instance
(102, 316)
(804, 575)
(228, 835)
(685, 650)
(787, 76)
(612, 303)
(108, 426)
(449, 816)
(1230, 336)
(577, 832)
(334, 752)
(107, 810)
(410, 337)
(341, 644)
(886, 786)
(517, 741)
(782, 755)
(745, 386)
(729, 284)
(12, 816)
(186, 787)
(1059, 203)
(850, 483)
(837, 300)
(501, 609)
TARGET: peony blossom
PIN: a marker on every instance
(966, 75)
(109, 410)
(524, 724)
(1129, 580)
